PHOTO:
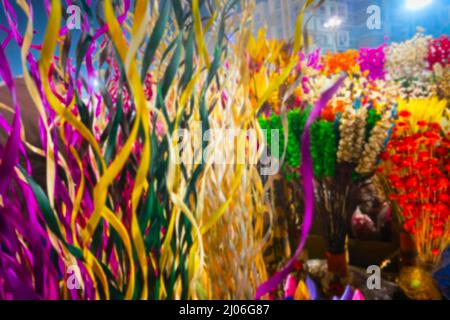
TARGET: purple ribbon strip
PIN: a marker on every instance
(11, 151)
(308, 187)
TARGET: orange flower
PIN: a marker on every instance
(342, 61)
(332, 108)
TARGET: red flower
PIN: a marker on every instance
(412, 183)
(404, 114)
(436, 252)
(409, 225)
(421, 123)
(417, 166)
(442, 151)
(435, 126)
(439, 51)
(438, 232)
(395, 158)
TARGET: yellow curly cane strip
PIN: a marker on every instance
(7, 108)
(100, 190)
(50, 40)
(239, 171)
(109, 217)
(239, 176)
(211, 20)
(37, 101)
(298, 27)
(185, 96)
(92, 262)
(171, 174)
(173, 171)
(272, 87)
(34, 94)
(165, 248)
(141, 20)
(78, 198)
(142, 117)
(195, 261)
(89, 258)
(122, 231)
(179, 202)
(199, 37)
(140, 14)
(44, 66)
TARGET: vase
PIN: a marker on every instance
(337, 277)
(417, 282)
(408, 250)
(337, 264)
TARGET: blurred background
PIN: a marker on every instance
(338, 25)
(341, 25)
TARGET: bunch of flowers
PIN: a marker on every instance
(352, 131)
(407, 60)
(356, 125)
(267, 60)
(345, 145)
(120, 210)
(416, 168)
(372, 62)
(407, 66)
(439, 62)
(341, 62)
(345, 158)
(439, 52)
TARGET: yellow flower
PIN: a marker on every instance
(298, 92)
(258, 48)
(258, 84)
(274, 101)
(425, 109)
(261, 50)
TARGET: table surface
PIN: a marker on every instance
(358, 280)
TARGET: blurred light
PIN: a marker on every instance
(333, 22)
(417, 4)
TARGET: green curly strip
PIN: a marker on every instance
(372, 120)
(296, 123)
(293, 156)
(276, 124)
(323, 149)
(323, 142)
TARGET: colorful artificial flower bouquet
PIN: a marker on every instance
(415, 170)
